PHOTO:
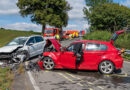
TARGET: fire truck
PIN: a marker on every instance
(52, 32)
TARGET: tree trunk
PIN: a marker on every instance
(43, 28)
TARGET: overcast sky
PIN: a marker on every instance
(11, 19)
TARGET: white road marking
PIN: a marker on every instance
(32, 79)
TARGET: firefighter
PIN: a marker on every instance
(57, 37)
(77, 34)
(73, 34)
(70, 36)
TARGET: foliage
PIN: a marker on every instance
(93, 3)
(51, 12)
(8, 35)
(110, 17)
(123, 40)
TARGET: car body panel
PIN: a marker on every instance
(9, 49)
(90, 60)
(55, 43)
(32, 50)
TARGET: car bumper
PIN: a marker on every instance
(5, 56)
(119, 63)
(40, 64)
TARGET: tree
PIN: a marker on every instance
(109, 17)
(45, 12)
(94, 3)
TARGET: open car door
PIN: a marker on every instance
(67, 58)
(115, 36)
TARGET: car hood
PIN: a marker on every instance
(9, 49)
(55, 43)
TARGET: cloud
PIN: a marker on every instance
(125, 3)
(8, 7)
(76, 21)
(24, 26)
(76, 15)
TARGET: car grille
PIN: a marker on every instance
(4, 56)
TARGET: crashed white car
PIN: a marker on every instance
(22, 48)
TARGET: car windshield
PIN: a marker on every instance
(17, 41)
(48, 31)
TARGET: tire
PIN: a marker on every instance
(48, 63)
(106, 67)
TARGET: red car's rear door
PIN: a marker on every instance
(93, 52)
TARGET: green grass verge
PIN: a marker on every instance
(6, 78)
(8, 35)
(123, 40)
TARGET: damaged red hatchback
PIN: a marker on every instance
(84, 55)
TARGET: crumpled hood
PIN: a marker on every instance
(9, 49)
(55, 43)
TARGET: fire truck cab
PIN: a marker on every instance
(52, 32)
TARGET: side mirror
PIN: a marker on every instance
(30, 44)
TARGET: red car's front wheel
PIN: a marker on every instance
(106, 67)
(48, 63)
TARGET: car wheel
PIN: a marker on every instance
(106, 67)
(48, 63)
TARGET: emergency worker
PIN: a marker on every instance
(57, 37)
(77, 34)
(70, 36)
(73, 34)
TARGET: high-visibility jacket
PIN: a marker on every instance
(77, 34)
(74, 34)
(57, 36)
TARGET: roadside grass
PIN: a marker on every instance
(6, 78)
(21, 69)
(123, 40)
(8, 35)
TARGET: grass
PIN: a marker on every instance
(8, 35)
(6, 78)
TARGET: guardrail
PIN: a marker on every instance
(127, 51)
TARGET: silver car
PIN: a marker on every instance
(23, 48)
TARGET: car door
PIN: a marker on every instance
(31, 46)
(93, 53)
(40, 43)
(67, 58)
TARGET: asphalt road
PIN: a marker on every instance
(79, 80)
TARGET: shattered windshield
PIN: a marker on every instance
(48, 31)
(17, 41)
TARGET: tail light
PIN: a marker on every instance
(121, 51)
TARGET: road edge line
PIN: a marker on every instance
(32, 79)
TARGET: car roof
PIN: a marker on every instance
(93, 41)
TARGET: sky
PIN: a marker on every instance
(11, 19)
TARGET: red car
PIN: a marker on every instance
(96, 55)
